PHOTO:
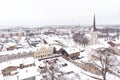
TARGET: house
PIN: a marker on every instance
(9, 46)
(16, 54)
(11, 70)
(70, 52)
(28, 73)
(8, 70)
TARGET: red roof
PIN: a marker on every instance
(111, 43)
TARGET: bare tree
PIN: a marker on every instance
(104, 61)
(80, 38)
(85, 41)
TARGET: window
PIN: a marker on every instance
(41, 56)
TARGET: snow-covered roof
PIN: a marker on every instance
(38, 77)
(16, 51)
(10, 44)
(4, 65)
(28, 72)
(15, 37)
(51, 39)
(39, 46)
(23, 74)
(16, 62)
(97, 46)
(71, 50)
(14, 77)
(58, 47)
(58, 40)
(39, 63)
(28, 60)
(116, 41)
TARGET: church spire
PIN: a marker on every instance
(94, 24)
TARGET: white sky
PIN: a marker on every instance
(55, 12)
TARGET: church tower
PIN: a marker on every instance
(94, 33)
(94, 24)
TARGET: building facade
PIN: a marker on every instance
(11, 55)
(43, 52)
(11, 34)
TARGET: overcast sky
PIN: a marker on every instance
(55, 12)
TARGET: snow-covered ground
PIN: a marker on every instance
(115, 59)
(72, 68)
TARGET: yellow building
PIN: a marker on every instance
(43, 51)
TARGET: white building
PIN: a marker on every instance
(16, 54)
